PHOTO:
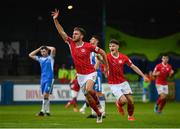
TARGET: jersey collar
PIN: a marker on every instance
(115, 56)
(80, 45)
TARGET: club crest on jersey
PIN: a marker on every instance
(120, 61)
(82, 50)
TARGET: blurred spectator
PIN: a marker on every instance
(63, 74)
(71, 73)
(145, 85)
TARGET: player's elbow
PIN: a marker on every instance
(30, 55)
(102, 52)
(53, 49)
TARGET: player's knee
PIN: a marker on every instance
(163, 96)
(46, 95)
(123, 100)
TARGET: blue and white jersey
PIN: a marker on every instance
(93, 60)
(47, 70)
(98, 85)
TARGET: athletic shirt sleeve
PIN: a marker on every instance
(69, 40)
(94, 48)
(37, 58)
(170, 69)
(156, 68)
(127, 60)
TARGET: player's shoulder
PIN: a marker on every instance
(169, 65)
(121, 55)
(87, 44)
(108, 54)
(70, 41)
(159, 65)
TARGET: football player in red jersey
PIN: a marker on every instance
(86, 73)
(116, 80)
(74, 94)
(162, 71)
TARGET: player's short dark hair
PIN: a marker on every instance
(44, 47)
(97, 38)
(166, 55)
(114, 41)
(82, 30)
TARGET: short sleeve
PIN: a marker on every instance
(156, 68)
(170, 68)
(70, 42)
(94, 48)
(127, 60)
(37, 58)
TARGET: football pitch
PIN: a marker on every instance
(23, 116)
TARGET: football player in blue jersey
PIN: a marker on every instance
(46, 61)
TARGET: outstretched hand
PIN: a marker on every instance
(55, 14)
(146, 79)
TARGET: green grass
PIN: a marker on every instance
(23, 116)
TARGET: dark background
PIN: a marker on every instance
(31, 24)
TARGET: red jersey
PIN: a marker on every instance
(81, 56)
(164, 70)
(116, 68)
(75, 86)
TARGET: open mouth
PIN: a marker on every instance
(112, 50)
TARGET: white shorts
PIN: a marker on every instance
(74, 94)
(120, 89)
(162, 89)
(83, 78)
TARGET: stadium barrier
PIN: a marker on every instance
(30, 93)
(177, 90)
(7, 92)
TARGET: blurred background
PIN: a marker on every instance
(146, 29)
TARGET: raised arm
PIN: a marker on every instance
(138, 71)
(60, 29)
(53, 50)
(33, 53)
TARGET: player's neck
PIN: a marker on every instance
(79, 43)
(115, 54)
(164, 64)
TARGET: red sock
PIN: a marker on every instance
(92, 103)
(94, 95)
(163, 103)
(120, 103)
(159, 100)
(130, 108)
